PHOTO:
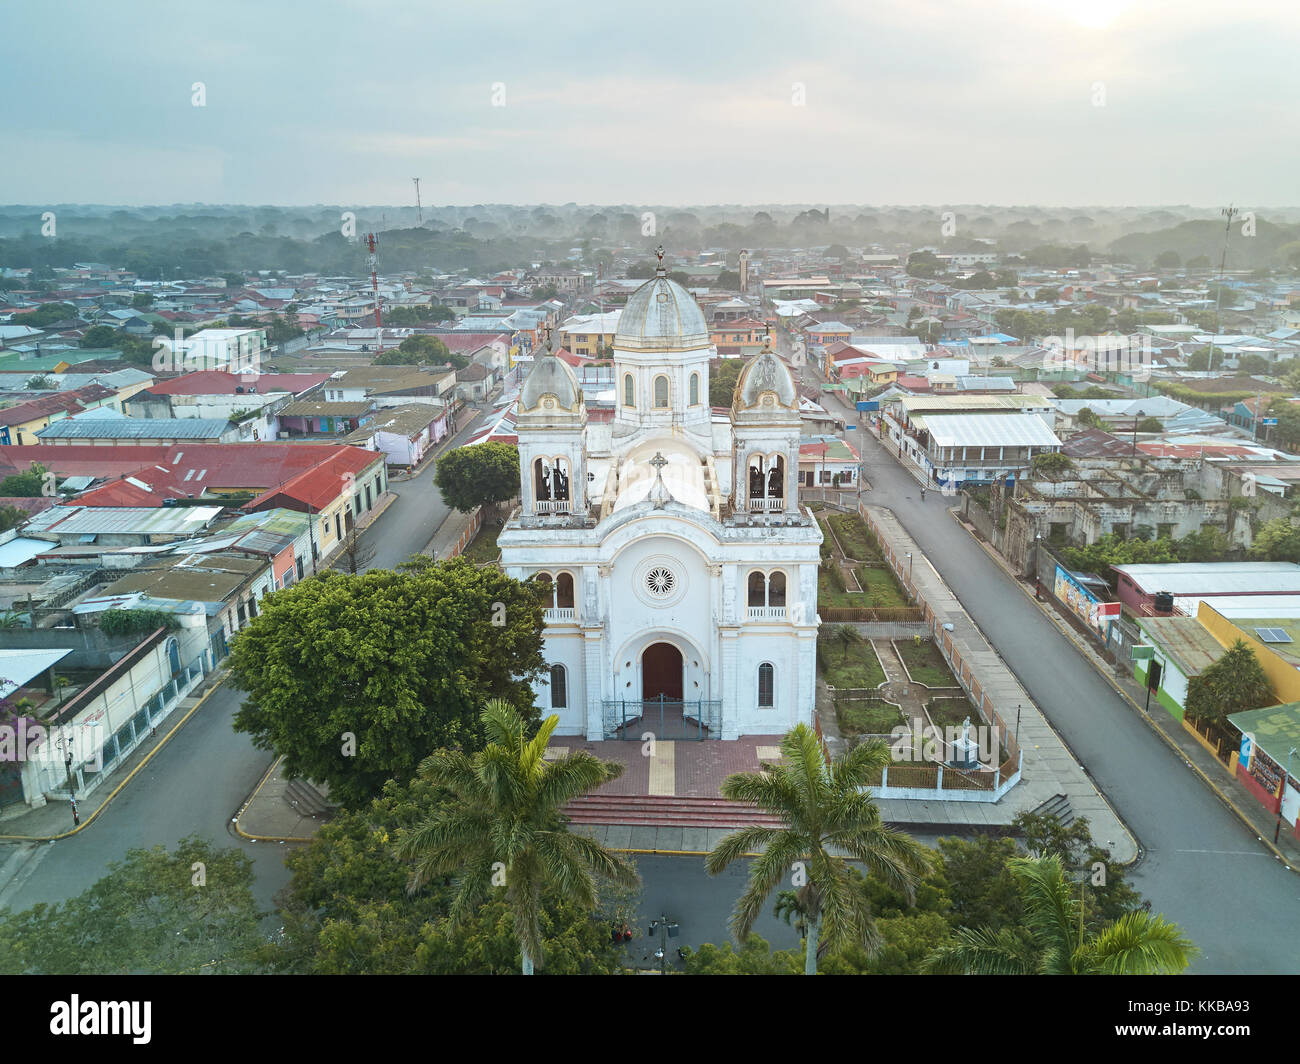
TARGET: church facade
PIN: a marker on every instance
(681, 570)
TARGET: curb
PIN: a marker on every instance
(248, 801)
(130, 776)
(1142, 715)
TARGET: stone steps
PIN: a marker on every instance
(661, 811)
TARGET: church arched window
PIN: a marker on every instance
(629, 390)
(766, 686)
(776, 478)
(661, 392)
(564, 591)
(695, 389)
(560, 479)
(559, 687)
(757, 589)
(544, 582)
(776, 589)
(543, 479)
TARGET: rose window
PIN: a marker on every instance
(660, 581)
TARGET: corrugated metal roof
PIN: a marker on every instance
(123, 520)
(1215, 578)
(190, 428)
(989, 430)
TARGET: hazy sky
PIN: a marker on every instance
(1104, 102)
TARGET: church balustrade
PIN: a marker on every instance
(552, 506)
(756, 504)
(560, 615)
(765, 613)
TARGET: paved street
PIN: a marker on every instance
(198, 781)
(193, 786)
(1202, 867)
(407, 525)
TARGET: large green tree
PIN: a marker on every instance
(355, 679)
(1057, 941)
(347, 911)
(420, 350)
(722, 381)
(824, 808)
(1277, 541)
(1234, 683)
(190, 910)
(99, 336)
(48, 314)
(27, 485)
(504, 830)
(482, 475)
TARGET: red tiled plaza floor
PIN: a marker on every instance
(698, 767)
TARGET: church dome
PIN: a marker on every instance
(550, 376)
(765, 373)
(661, 315)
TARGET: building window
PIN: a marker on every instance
(564, 591)
(559, 687)
(695, 389)
(776, 589)
(629, 390)
(766, 686)
(661, 392)
(757, 589)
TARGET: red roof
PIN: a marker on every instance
(215, 466)
(460, 342)
(219, 382)
(72, 402)
(914, 384)
(319, 486)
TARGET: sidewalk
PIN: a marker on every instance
(1211, 771)
(54, 819)
(281, 810)
(1048, 769)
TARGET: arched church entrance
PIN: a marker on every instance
(664, 708)
(661, 673)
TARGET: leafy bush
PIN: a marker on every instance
(134, 622)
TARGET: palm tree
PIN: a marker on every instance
(824, 807)
(1057, 943)
(504, 827)
(790, 908)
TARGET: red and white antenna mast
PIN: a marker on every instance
(373, 261)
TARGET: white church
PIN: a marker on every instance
(682, 571)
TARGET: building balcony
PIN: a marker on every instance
(765, 613)
(756, 504)
(560, 615)
(552, 506)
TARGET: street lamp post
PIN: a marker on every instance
(666, 931)
(1136, 417)
(1286, 779)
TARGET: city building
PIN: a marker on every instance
(681, 567)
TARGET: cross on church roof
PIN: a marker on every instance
(547, 330)
(659, 461)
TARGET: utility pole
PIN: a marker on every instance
(372, 260)
(1228, 212)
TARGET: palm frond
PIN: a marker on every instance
(776, 861)
(736, 845)
(1139, 943)
(1050, 911)
(982, 953)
